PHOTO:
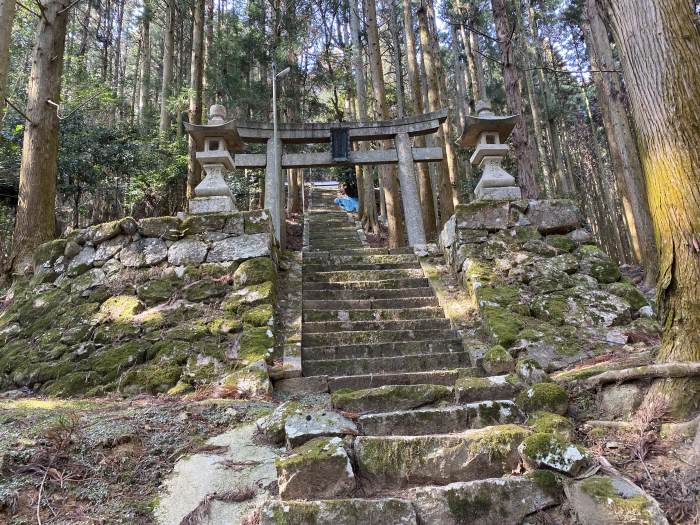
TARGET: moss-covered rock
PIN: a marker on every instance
(605, 271)
(263, 293)
(260, 315)
(552, 308)
(553, 451)
(548, 397)
(493, 295)
(121, 308)
(501, 325)
(549, 423)
(227, 324)
(204, 290)
(255, 344)
(563, 243)
(153, 378)
(167, 228)
(629, 293)
(158, 290)
(211, 222)
(390, 397)
(257, 221)
(251, 380)
(111, 361)
(254, 271)
(47, 253)
(272, 425)
(497, 360)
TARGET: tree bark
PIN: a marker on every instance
(369, 211)
(425, 188)
(145, 89)
(662, 75)
(194, 171)
(391, 189)
(168, 58)
(7, 17)
(35, 222)
(525, 153)
(623, 149)
(446, 201)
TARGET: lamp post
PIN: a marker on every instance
(273, 184)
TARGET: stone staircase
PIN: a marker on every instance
(425, 435)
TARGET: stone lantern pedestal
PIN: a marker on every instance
(213, 141)
(487, 133)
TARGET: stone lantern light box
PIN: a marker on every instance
(214, 141)
(488, 133)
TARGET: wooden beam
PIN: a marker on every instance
(324, 160)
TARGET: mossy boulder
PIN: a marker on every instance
(272, 425)
(548, 397)
(257, 221)
(47, 253)
(167, 228)
(493, 295)
(263, 293)
(204, 290)
(629, 293)
(562, 243)
(251, 380)
(501, 325)
(605, 271)
(530, 371)
(227, 324)
(121, 308)
(261, 315)
(254, 271)
(497, 360)
(153, 378)
(553, 451)
(158, 290)
(211, 222)
(552, 308)
(549, 423)
(71, 384)
(111, 361)
(255, 344)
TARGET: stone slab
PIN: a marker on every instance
(214, 204)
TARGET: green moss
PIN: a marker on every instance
(112, 332)
(547, 422)
(256, 344)
(121, 307)
(251, 380)
(48, 252)
(71, 384)
(110, 362)
(154, 378)
(497, 360)
(590, 250)
(630, 293)
(561, 243)
(605, 271)
(158, 290)
(194, 224)
(257, 221)
(204, 290)
(190, 332)
(395, 396)
(167, 228)
(180, 388)
(260, 315)
(225, 325)
(546, 480)
(547, 397)
(314, 450)
(498, 295)
(263, 293)
(501, 325)
(469, 508)
(554, 451)
(552, 308)
(254, 271)
(634, 509)
(209, 270)
(498, 441)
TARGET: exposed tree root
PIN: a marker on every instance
(665, 370)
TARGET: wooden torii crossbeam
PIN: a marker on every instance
(340, 135)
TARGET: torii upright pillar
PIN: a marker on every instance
(409, 191)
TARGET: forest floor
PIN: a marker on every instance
(102, 461)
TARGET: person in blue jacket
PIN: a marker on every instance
(347, 197)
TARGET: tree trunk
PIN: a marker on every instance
(444, 187)
(168, 57)
(194, 171)
(145, 90)
(7, 16)
(35, 222)
(207, 98)
(623, 150)
(396, 60)
(525, 152)
(369, 212)
(662, 75)
(425, 188)
(471, 46)
(461, 88)
(391, 190)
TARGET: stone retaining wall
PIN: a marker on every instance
(156, 305)
(545, 291)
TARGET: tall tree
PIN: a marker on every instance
(7, 16)
(194, 171)
(425, 188)
(168, 58)
(391, 189)
(145, 87)
(35, 221)
(525, 152)
(662, 75)
(623, 149)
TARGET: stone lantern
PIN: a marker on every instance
(214, 140)
(487, 133)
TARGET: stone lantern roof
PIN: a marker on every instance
(484, 121)
(216, 127)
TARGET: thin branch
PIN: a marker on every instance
(28, 9)
(69, 6)
(9, 103)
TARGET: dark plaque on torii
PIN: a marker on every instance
(340, 144)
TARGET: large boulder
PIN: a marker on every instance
(553, 451)
(144, 252)
(238, 248)
(482, 215)
(554, 215)
(187, 251)
(300, 428)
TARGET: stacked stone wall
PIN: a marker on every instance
(157, 305)
(546, 292)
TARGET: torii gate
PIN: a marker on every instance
(339, 135)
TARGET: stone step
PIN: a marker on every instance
(363, 326)
(373, 315)
(313, 268)
(389, 284)
(368, 337)
(370, 293)
(492, 501)
(320, 258)
(431, 377)
(395, 462)
(402, 348)
(365, 304)
(379, 365)
(471, 389)
(440, 420)
(344, 276)
(359, 511)
(369, 251)
(391, 398)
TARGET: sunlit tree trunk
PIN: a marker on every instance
(7, 16)
(623, 149)
(194, 172)
(369, 212)
(35, 222)
(168, 56)
(525, 152)
(425, 188)
(662, 76)
(444, 186)
(391, 190)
